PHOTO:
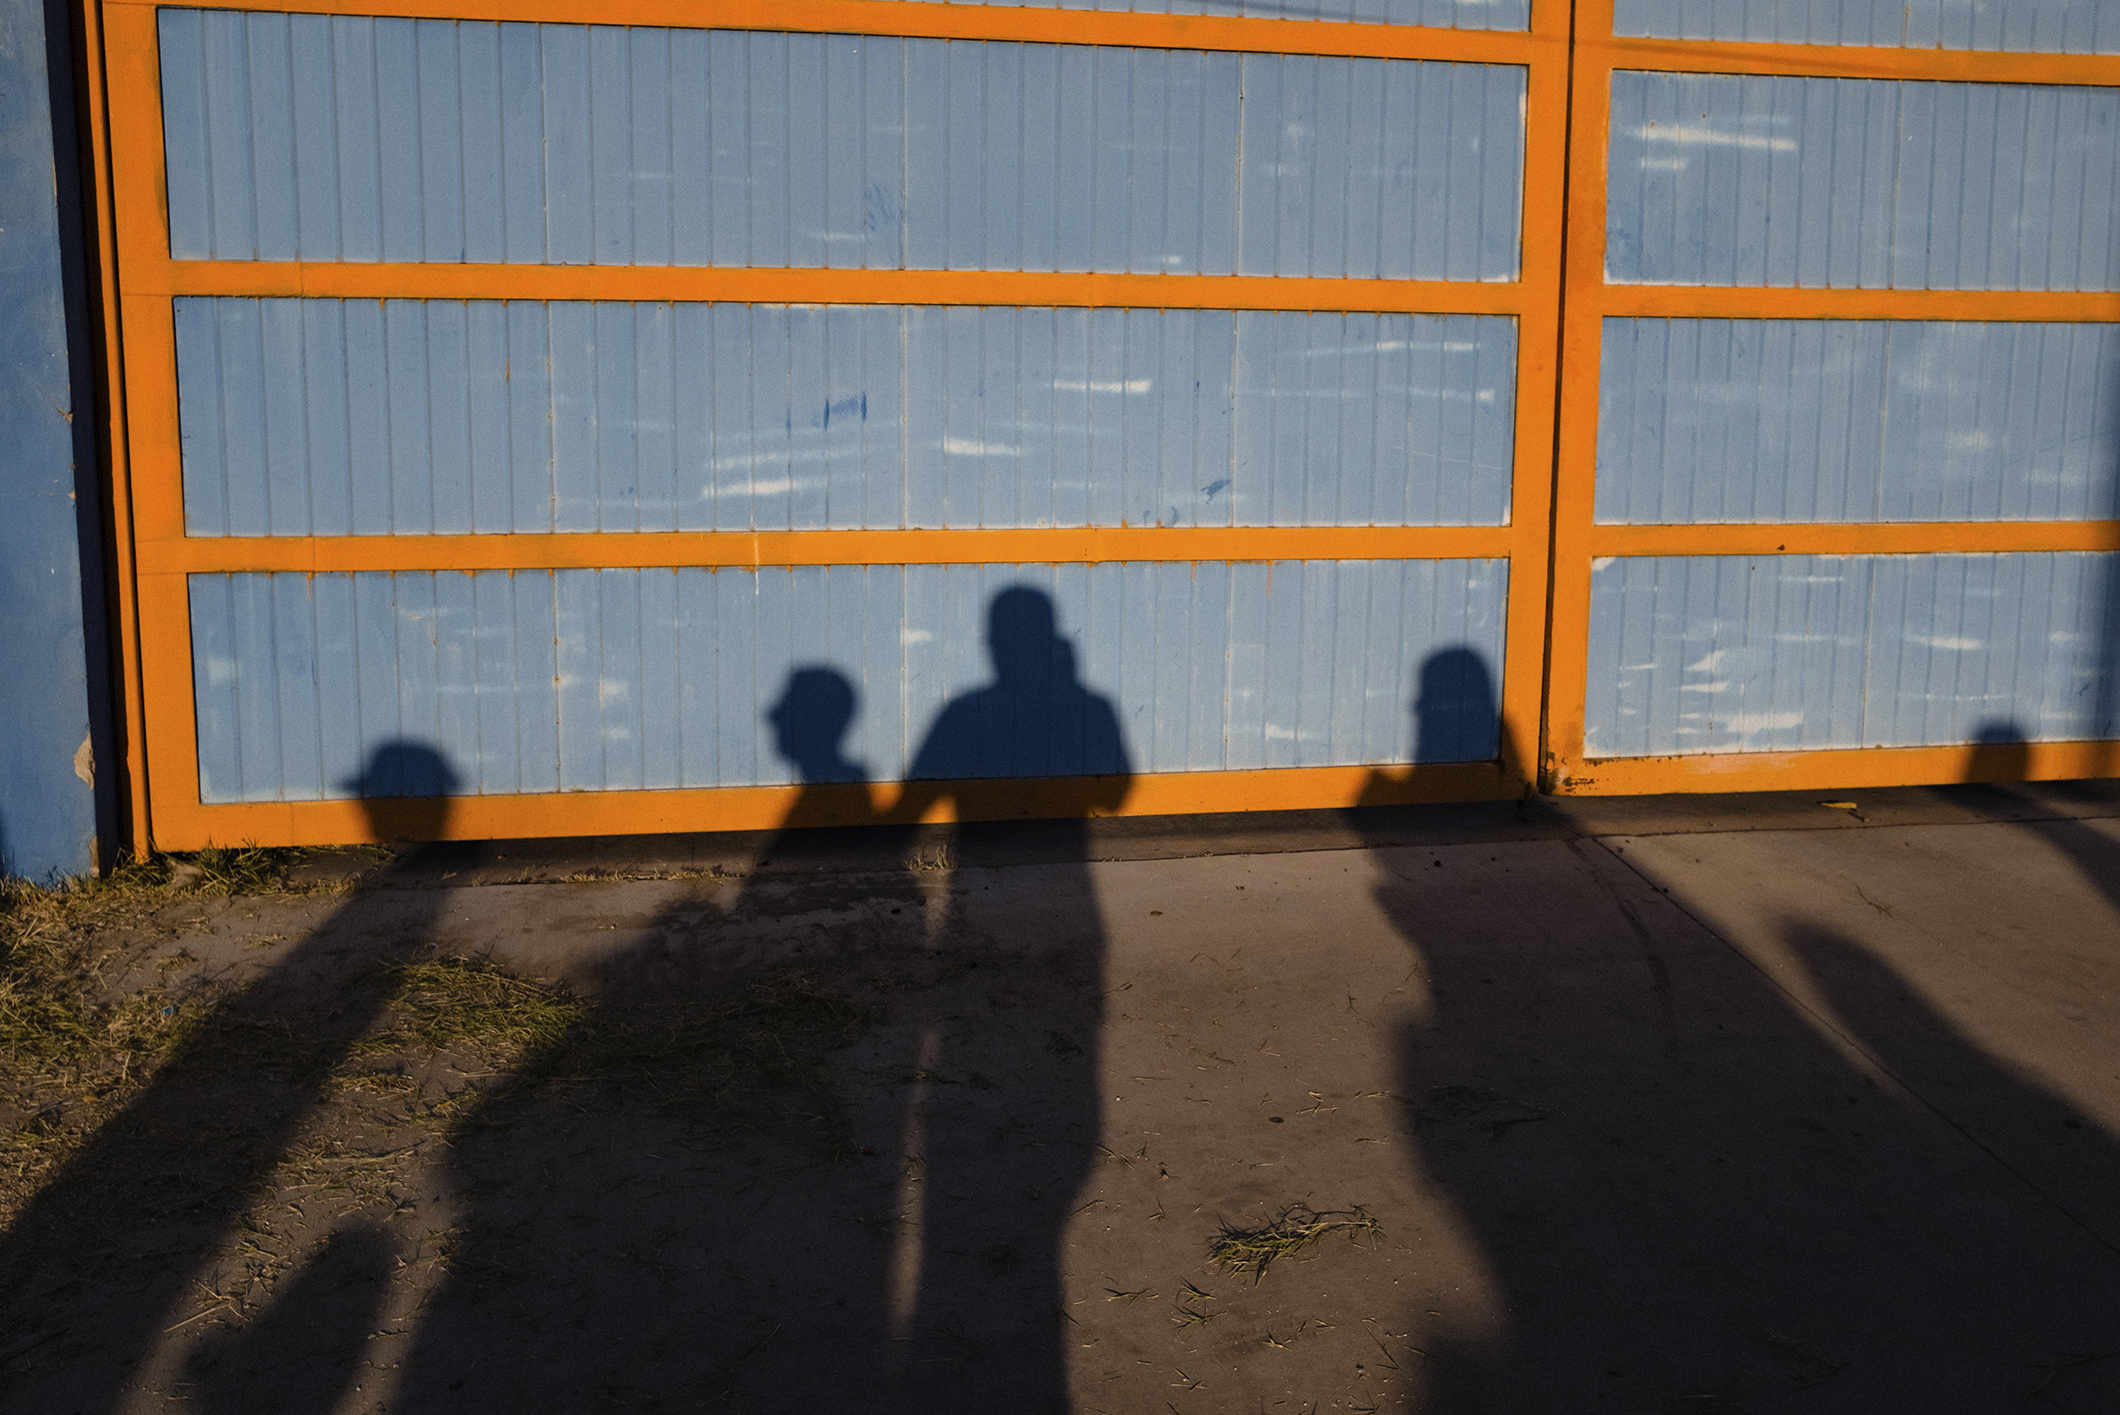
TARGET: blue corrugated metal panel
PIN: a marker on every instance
(1436, 14)
(625, 679)
(333, 417)
(1774, 653)
(342, 138)
(53, 688)
(1844, 183)
(1825, 420)
(2019, 26)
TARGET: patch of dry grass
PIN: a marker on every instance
(1253, 1250)
(70, 1049)
(439, 1049)
(713, 1058)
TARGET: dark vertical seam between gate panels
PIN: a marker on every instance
(1534, 769)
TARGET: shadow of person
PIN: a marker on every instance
(666, 1201)
(109, 1247)
(1001, 1127)
(759, 1250)
(2048, 1141)
(1456, 718)
(1680, 1188)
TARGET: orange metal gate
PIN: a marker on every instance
(1552, 533)
(170, 807)
(1800, 289)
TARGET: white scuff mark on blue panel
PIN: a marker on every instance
(1745, 724)
(1711, 137)
(973, 447)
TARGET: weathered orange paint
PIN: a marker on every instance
(1875, 538)
(1575, 437)
(182, 825)
(136, 827)
(1577, 539)
(1723, 302)
(1841, 770)
(907, 19)
(150, 280)
(1569, 54)
(630, 550)
(822, 286)
(1694, 56)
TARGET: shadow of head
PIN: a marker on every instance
(1456, 715)
(404, 790)
(1893, 1018)
(1023, 638)
(810, 724)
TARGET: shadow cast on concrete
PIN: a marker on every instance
(1691, 1191)
(119, 1230)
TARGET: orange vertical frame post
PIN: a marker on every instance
(137, 826)
(1575, 439)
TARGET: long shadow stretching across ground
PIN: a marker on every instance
(1692, 1195)
(168, 1177)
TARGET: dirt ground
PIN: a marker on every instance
(1743, 1104)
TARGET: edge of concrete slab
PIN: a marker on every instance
(866, 849)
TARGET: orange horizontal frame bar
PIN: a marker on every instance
(1727, 302)
(624, 550)
(1702, 56)
(817, 287)
(1838, 769)
(1878, 538)
(906, 19)
(183, 826)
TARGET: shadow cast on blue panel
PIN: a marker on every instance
(1457, 717)
(106, 1248)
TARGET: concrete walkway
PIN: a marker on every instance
(1683, 1104)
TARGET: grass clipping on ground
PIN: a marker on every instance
(1253, 1250)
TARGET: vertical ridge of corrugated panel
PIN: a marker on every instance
(356, 139)
(1847, 183)
(1435, 14)
(1731, 421)
(1788, 652)
(535, 681)
(2013, 26)
(408, 417)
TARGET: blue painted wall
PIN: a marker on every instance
(54, 691)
